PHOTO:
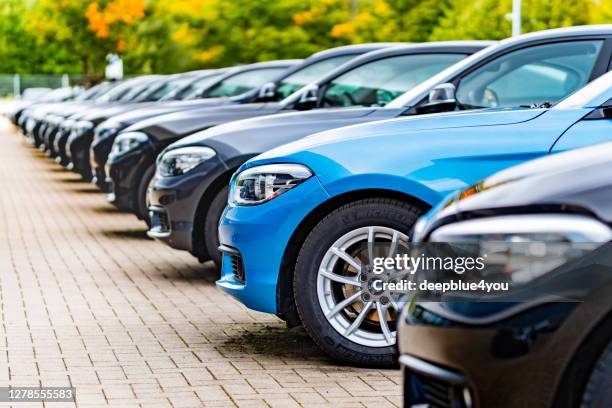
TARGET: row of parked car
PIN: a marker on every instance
(292, 175)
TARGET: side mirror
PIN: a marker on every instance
(309, 98)
(267, 92)
(441, 99)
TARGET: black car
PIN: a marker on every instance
(290, 81)
(123, 96)
(60, 123)
(186, 205)
(81, 139)
(547, 342)
(57, 113)
(116, 94)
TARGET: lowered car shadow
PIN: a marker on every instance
(129, 234)
(274, 341)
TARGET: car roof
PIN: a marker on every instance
(353, 49)
(419, 92)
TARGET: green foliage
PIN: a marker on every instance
(163, 36)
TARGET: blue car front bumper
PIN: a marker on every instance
(254, 239)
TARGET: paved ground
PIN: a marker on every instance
(87, 300)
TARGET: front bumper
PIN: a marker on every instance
(98, 156)
(49, 139)
(123, 175)
(259, 236)
(77, 148)
(460, 363)
(59, 146)
(174, 204)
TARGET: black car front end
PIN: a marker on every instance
(77, 148)
(536, 344)
(100, 149)
(178, 200)
(131, 156)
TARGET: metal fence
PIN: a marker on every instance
(15, 84)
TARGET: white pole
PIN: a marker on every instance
(65, 81)
(516, 17)
(16, 85)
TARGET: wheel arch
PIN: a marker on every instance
(285, 302)
(576, 375)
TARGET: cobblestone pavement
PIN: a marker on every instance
(86, 300)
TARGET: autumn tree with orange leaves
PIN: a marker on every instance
(89, 29)
(163, 36)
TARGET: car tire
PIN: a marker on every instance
(142, 205)
(211, 225)
(598, 391)
(367, 344)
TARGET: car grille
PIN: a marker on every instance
(237, 267)
(164, 223)
(422, 390)
(160, 221)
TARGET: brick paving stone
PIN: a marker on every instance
(86, 300)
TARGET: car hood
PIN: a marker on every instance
(162, 108)
(39, 111)
(579, 178)
(180, 124)
(256, 135)
(101, 113)
(70, 108)
(407, 125)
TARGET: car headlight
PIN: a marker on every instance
(262, 183)
(128, 141)
(522, 248)
(105, 131)
(179, 161)
(83, 126)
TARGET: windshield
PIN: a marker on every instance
(196, 88)
(165, 88)
(119, 90)
(379, 82)
(243, 82)
(308, 74)
(136, 91)
(93, 92)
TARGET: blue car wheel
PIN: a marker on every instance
(333, 279)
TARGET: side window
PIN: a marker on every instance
(534, 75)
(379, 82)
(309, 74)
(243, 82)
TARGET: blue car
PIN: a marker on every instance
(303, 221)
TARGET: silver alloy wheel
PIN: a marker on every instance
(364, 321)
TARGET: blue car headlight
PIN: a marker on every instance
(263, 183)
(182, 160)
(127, 142)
